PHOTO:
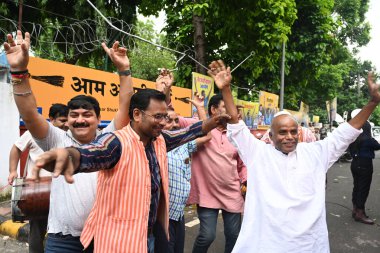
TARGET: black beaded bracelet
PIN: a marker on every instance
(125, 72)
(19, 72)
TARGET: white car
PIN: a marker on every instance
(376, 133)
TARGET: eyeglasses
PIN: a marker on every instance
(158, 117)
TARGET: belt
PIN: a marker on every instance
(150, 231)
(60, 235)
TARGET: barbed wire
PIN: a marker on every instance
(78, 38)
(85, 36)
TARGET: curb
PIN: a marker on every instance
(16, 230)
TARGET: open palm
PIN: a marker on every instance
(17, 51)
(118, 56)
(373, 88)
(220, 74)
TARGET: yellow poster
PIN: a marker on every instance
(304, 107)
(250, 114)
(268, 106)
(203, 85)
(55, 82)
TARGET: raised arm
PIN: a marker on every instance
(164, 82)
(199, 104)
(17, 51)
(373, 88)
(118, 56)
(177, 138)
(222, 77)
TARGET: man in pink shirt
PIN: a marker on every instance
(218, 174)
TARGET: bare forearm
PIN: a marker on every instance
(230, 105)
(359, 120)
(208, 125)
(168, 99)
(75, 157)
(201, 112)
(202, 140)
(14, 158)
(27, 107)
(126, 92)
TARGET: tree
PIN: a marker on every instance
(146, 58)
(316, 32)
(233, 29)
(67, 15)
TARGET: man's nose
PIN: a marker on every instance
(80, 119)
(289, 135)
(163, 123)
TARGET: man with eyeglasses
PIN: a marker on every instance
(179, 184)
(132, 190)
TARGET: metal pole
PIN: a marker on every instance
(19, 14)
(358, 85)
(282, 77)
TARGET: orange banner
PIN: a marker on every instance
(55, 82)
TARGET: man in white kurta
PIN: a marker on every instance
(285, 201)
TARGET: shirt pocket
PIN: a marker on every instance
(303, 183)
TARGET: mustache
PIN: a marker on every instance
(84, 124)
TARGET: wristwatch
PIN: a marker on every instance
(125, 72)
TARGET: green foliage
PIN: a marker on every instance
(69, 12)
(233, 29)
(146, 59)
(318, 64)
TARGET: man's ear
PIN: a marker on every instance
(270, 134)
(137, 115)
(213, 110)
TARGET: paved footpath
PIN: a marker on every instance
(347, 235)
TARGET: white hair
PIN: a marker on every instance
(282, 113)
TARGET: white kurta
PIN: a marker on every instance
(285, 201)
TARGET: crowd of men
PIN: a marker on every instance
(124, 188)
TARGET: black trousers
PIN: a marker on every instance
(362, 170)
(177, 237)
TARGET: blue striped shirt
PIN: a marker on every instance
(179, 178)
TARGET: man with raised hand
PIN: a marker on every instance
(132, 190)
(37, 226)
(285, 203)
(70, 204)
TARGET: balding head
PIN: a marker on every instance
(284, 132)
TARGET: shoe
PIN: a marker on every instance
(354, 209)
(361, 217)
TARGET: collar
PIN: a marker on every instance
(135, 135)
(70, 134)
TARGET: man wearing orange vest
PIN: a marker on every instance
(132, 190)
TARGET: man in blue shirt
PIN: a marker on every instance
(179, 184)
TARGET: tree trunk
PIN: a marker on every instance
(199, 43)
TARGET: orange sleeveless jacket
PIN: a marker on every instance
(118, 221)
